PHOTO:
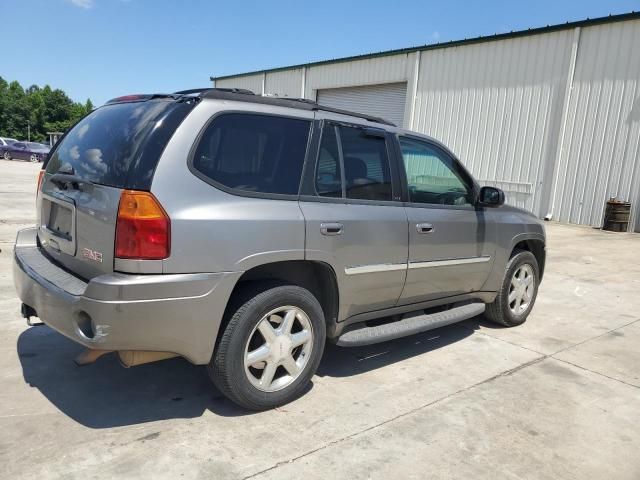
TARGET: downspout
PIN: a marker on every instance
(303, 87)
(414, 90)
(565, 114)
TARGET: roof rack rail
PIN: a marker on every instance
(364, 116)
(191, 91)
(203, 90)
(241, 95)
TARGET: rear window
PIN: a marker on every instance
(119, 145)
(254, 153)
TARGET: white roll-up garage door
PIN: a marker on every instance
(385, 101)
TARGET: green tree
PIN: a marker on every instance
(16, 111)
(43, 109)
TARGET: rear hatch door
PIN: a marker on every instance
(115, 147)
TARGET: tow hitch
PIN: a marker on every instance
(28, 312)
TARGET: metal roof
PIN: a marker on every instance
(454, 43)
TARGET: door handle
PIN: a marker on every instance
(424, 228)
(331, 228)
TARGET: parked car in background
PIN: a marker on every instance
(5, 141)
(34, 152)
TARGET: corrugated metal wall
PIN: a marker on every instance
(285, 83)
(497, 108)
(552, 118)
(372, 71)
(600, 151)
(385, 101)
(250, 82)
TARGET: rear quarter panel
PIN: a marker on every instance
(215, 231)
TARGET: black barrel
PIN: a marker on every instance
(616, 216)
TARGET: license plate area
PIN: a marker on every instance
(58, 224)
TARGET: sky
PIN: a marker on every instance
(101, 49)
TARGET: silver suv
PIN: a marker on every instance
(241, 232)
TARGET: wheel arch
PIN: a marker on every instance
(317, 277)
(533, 244)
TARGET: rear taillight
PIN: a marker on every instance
(40, 177)
(143, 229)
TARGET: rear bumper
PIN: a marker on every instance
(178, 313)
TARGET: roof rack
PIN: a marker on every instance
(203, 90)
(242, 95)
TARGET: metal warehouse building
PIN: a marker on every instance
(550, 115)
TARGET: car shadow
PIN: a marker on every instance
(105, 395)
(349, 361)
(480, 321)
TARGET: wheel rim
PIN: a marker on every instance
(278, 349)
(521, 289)
(7, 156)
(34, 158)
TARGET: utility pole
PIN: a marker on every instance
(28, 131)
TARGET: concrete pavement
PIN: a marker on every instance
(558, 397)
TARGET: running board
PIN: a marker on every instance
(410, 324)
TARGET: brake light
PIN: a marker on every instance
(130, 98)
(143, 229)
(40, 178)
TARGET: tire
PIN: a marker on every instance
(33, 158)
(243, 333)
(511, 314)
(6, 156)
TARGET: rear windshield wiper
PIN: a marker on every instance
(66, 180)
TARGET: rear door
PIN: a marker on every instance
(355, 220)
(451, 241)
(115, 147)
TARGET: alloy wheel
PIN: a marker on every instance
(521, 289)
(278, 348)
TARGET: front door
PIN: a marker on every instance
(19, 151)
(354, 218)
(451, 242)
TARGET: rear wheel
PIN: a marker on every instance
(518, 291)
(33, 157)
(270, 348)
(6, 156)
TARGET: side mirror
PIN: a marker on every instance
(490, 197)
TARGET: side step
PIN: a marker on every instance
(410, 324)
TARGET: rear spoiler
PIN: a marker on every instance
(138, 97)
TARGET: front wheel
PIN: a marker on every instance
(518, 292)
(270, 348)
(6, 156)
(33, 158)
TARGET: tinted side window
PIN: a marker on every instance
(432, 176)
(254, 153)
(328, 176)
(366, 165)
